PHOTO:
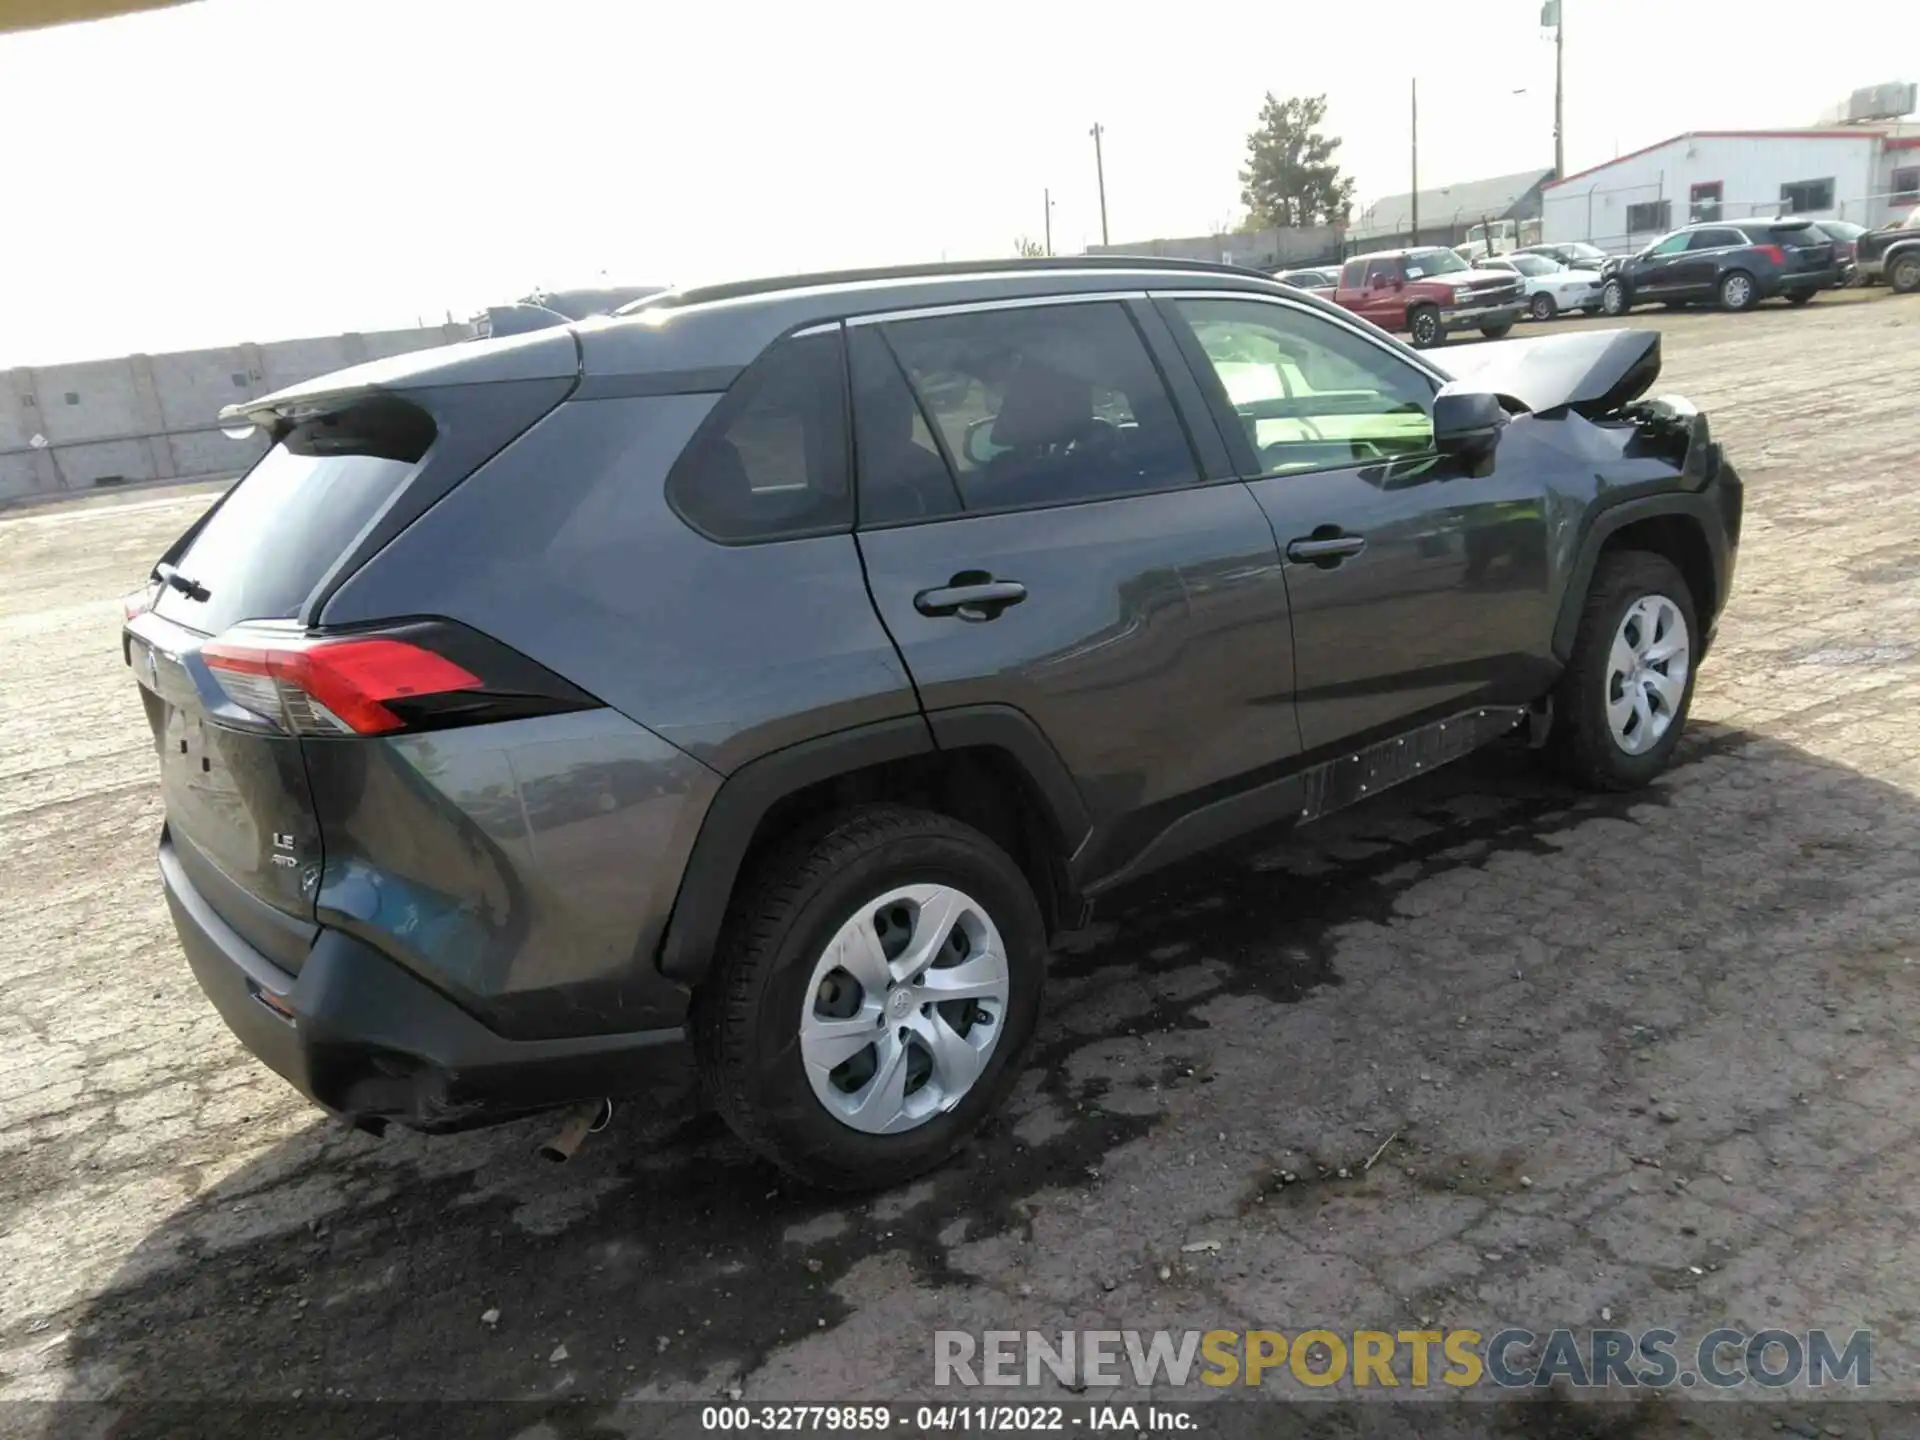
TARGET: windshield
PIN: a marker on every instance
(1422, 263)
(1533, 264)
(1586, 252)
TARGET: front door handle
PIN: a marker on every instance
(1325, 551)
(971, 596)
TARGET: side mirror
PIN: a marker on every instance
(1467, 424)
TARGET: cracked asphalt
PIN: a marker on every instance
(1530, 1058)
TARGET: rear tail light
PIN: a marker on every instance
(138, 602)
(426, 676)
(1773, 253)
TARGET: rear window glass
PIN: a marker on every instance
(285, 524)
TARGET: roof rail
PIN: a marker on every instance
(736, 289)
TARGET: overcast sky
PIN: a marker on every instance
(254, 169)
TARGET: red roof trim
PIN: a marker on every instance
(1850, 134)
(1903, 142)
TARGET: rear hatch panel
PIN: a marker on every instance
(240, 816)
(356, 458)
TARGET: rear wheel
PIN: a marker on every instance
(1904, 274)
(1622, 704)
(873, 996)
(1424, 327)
(1497, 332)
(1541, 307)
(1737, 291)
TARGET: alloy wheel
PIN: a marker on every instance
(1647, 673)
(904, 1008)
(1737, 291)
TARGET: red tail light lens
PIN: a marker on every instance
(1773, 253)
(138, 602)
(338, 687)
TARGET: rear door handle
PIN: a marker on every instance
(1325, 550)
(969, 598)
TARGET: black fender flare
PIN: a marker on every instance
(1700, 506)
(746, 795)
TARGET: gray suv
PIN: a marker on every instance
(761, 676)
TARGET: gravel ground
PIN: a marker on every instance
(1647, 1060)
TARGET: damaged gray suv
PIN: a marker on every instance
(759, 677)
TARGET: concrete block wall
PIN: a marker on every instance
(73, 428)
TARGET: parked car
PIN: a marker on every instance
(1574, 254)
(1551, 286)
(1312, 280)
(1892, 254)
(1734, 264)
(1430, 293)
(766, 676)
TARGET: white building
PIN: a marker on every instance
(1866, 173)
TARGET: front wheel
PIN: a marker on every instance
(1737, 291)
(1622, 704)
(1497, 332)
(1541, 307)
(1613, 298)
(1425, 329)
(873, 996)
(1904, 274)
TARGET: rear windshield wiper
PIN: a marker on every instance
(171, 577)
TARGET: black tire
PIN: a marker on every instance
(1903, 275)
(1800, 297)
(746, 1014)
(1542, 307)
(1424, 328)
(1614, 299)
(1582, 745)
(1738, 291)
(1497, 332)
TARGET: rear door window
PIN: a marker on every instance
(1715, 239)
(1045, 405)
(771, 461)
(295, 515)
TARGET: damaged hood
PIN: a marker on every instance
(1593, 373)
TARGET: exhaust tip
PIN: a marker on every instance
(588, 1119)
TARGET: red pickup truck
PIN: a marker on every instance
(1429, 293)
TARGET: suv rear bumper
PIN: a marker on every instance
(1793, 282)
(360, 1036)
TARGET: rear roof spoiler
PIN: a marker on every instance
(542, 355)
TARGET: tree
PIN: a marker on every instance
(1291, 179)
(1028, 249)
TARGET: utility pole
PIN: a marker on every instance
(1553, 13)
(1416, 161)
(1100, 173)
(1047, 195)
